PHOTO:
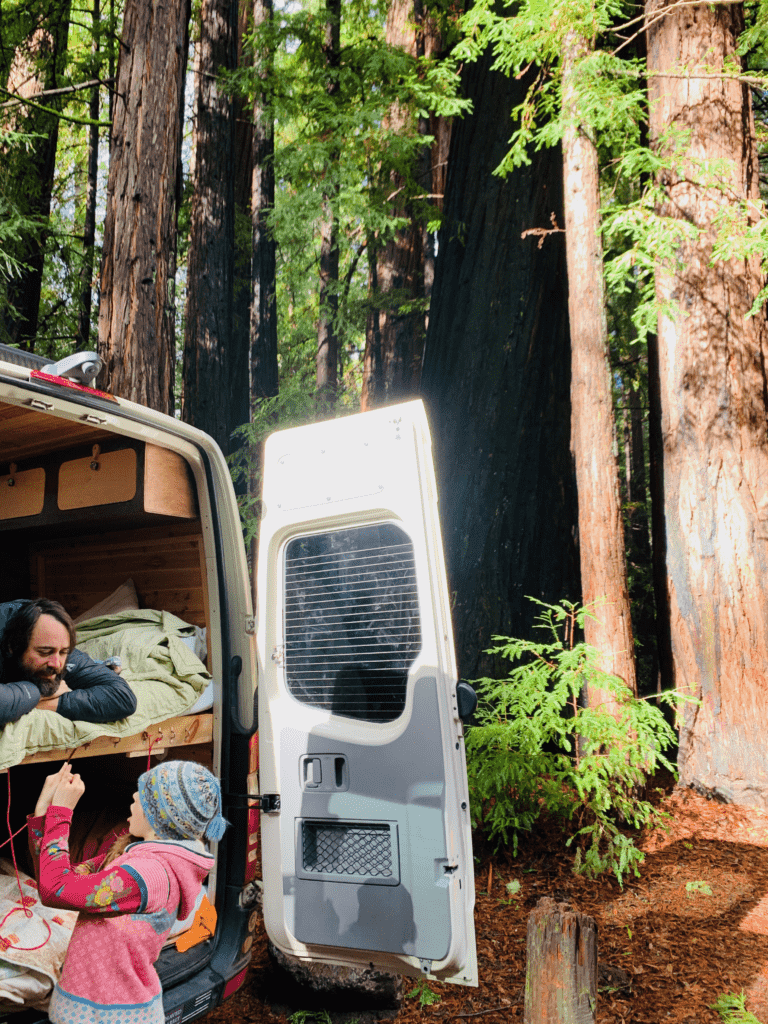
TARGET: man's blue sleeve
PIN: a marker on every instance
(98, 694)
(17, 699)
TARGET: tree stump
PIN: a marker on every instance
(561, 969)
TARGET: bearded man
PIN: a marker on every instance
(40, 667)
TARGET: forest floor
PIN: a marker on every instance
(692, 927)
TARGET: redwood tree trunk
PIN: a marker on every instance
(327, 362)
(601, 532)
(243, 179)
(665, 672)
(27, 172)
(403, 273)
(264, 369)
(714, 411)
(496, 381)
(137, 307)
(210, 372)
(89, 220)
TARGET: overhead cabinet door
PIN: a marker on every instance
(368, 858)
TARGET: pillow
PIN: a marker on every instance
(124, 599)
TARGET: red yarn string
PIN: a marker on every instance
(6, 841)
(149, 748)
(5, 944)
(27, 912)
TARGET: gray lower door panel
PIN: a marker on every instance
(368, 834)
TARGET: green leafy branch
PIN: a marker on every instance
(537, 749)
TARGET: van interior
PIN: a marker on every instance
(87, 517)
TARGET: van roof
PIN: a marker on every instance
(18, 357)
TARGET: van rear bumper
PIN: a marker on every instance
(194, 997)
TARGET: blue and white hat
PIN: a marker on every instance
(182, 800)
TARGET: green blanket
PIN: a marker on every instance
(162, 671)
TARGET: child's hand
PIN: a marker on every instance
(68, 791)
(49, 788)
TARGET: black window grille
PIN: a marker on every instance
(351, 620)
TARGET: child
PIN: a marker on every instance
(128, 907)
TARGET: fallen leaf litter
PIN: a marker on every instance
(693, 926)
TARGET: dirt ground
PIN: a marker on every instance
(692, 927)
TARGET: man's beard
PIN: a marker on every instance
(45, 680)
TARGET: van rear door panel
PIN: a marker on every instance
(368, 859)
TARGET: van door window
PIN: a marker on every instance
(352, 627)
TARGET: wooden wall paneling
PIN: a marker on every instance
(164, 564)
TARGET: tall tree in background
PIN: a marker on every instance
(92, 172)
(136, 312)
(215, 391)
(434, 157)
(27, 173)
(401, 266)
(714, 404)
(328, 294)
(496, 379)
(601, 531)
(240, 346)
(263, 324)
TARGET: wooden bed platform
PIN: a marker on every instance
(185, 731)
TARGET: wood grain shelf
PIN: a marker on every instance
(185, 731)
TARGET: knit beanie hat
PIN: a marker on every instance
(182, 800)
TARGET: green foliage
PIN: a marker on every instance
(27, 130)
(698, 888)
(732, 1009)
(310, 1017)
(424, 994)
(536, 749)
(295, 404)
(528, 39)
(341, 136)
(533, 34)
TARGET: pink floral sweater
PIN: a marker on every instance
(126, 912)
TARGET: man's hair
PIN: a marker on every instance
(19, 627)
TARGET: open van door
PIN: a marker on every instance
(366, 844)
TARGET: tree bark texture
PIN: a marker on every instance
(714, 402)
(665, 672)
(211, 374)
(240, 346)
(593, 434)
(27, 173)
(137, 307)
(496, 381)
(89, 220)
(404, 270)
(264, 368)
(327, 362)
(561, 966)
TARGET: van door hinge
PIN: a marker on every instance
(250, 625)
(267, 803)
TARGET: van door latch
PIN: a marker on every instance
(267, 803)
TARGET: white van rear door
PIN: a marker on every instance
(368, 859)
